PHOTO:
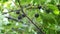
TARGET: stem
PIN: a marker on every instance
(39, 29)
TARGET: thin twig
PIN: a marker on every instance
(39, 29)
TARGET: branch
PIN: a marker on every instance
(10, 11)
(39, 29)
(12, 18)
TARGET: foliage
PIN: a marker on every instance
(27, 16)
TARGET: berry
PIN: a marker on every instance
(36, 15)
(17, 11)
(48, 10)
(58, 6)
(39, 7)
(19, 17)
(23, 15)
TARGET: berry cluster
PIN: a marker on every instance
(21, 16)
